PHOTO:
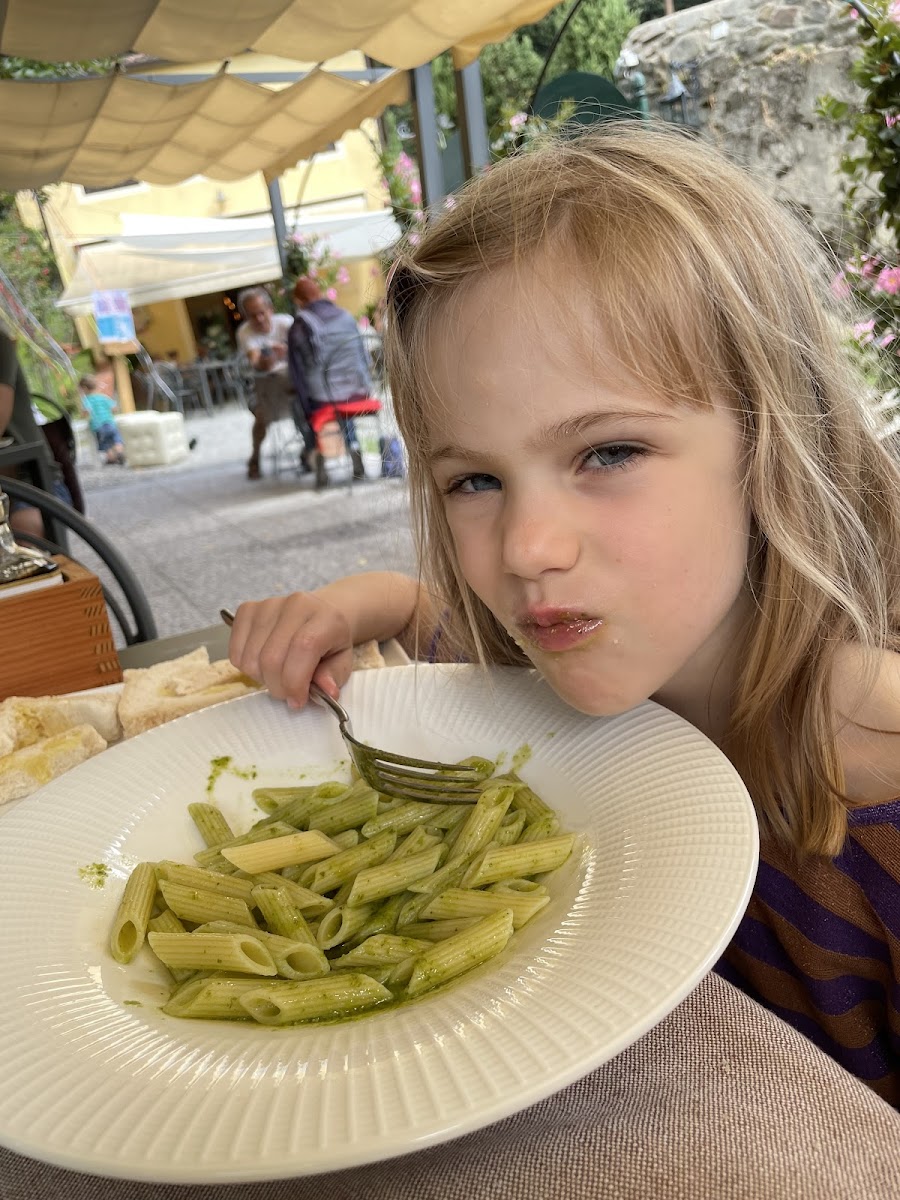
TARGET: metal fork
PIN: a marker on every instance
(398, 775)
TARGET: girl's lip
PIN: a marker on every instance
(563, 634)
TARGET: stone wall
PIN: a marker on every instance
(761, 66)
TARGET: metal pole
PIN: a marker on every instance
(278, 222)
(425, 117)
(470, 119)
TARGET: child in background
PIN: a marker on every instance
(639, 463)
(99, 409)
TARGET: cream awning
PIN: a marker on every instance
(166, 258)
(399, 33)
(97, 132)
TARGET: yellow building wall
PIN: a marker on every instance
(167, 329)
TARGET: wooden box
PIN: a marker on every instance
(57, 639)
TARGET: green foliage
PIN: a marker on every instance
(593, 39)
(28, 260)
(510, 69)
(871, 165)
(307, 254)
(29, 68)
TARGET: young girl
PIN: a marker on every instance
(99, 410)
(639, 463)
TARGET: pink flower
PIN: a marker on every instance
(891, 119)
(331, 294)
(894, 11)
(869, 267)
(854, 15)
(414, 238)
(839, 286)
(313, 272)
(517, 120)
(364, 322)
(343, 275)
(884, 342)
(888, 280)
(415, 191)
(864, 332)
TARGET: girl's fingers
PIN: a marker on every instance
(281, 643)
(334, 671)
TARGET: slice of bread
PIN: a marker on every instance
(25, 720)
(25, 770)
(153, 695)
(366, 656)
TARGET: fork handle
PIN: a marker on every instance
(319, 694)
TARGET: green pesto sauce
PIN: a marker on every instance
(225, 766)
(94, 874)
(521, 757)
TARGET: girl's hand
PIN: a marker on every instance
(287, 641)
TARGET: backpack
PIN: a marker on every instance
(392, 464)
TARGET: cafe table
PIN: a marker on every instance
(720, 1101)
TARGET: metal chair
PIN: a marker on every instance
(142, 626)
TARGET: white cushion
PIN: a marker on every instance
(153, 438)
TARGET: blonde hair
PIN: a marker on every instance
(707, 288)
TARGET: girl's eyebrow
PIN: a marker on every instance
(551, 435)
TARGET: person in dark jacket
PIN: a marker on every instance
(328, 366)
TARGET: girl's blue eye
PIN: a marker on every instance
(605, 458)
(468, 484)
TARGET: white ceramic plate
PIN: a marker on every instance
(98, 1083)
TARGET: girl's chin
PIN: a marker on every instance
(581, 691)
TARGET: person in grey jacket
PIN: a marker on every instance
(328, 365)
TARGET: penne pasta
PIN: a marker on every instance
(292, 959)
(212, 858)
(333, 997)
(445, 960)
(333, 872)
(212, 952)
(389, 878)
(404, 817)
(311, 904)
(209, 881)
(274, 853)
(214, 999)
(384, 949)
(348, 813)
(133, 914)
(469, 902)
(281, 914)
(192, 904)
(167, 922)
(529, 858)
(342, 924)
(211, 824)
(483, 821)
(340, 900)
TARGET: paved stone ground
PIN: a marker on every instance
(200, 535)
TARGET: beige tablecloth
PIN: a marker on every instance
(721, 1101)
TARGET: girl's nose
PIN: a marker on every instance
(537, 537)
